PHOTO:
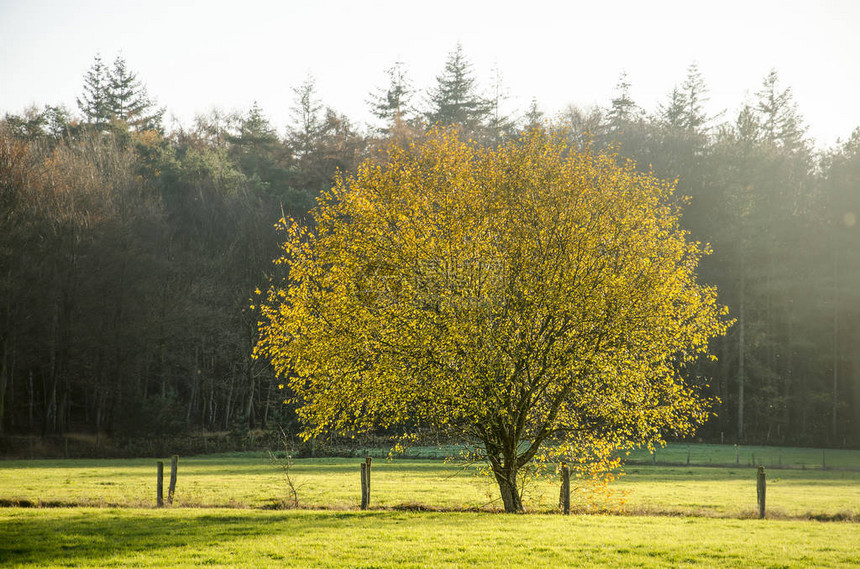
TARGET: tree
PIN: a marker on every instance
(128, 100)
(695, 93)
(392, 104)
(582, 125)
(307, 125)
(94, 101)
(685, 108)
(840, 213)
(454, 100)
(672, 114)
(260, 154)
(534, 117)
(780, 120)
(499, 125)
(623, 109)
(52, 123)
(117, 94)
(534, 300)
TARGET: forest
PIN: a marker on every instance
(131, 253)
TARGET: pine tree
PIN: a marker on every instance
(117, 94)
(623, 110)
(780, 121)
(307, 124)
(455, 100)
(672, 114)
(695, 95)
(128, 100)
(534, 117)
(499, 124)
(747, 127)
(255, 127)
(392, 104)
(94, 102)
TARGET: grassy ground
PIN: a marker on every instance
(710, 523)
(733, 455)
(301, 538)
(250, 480)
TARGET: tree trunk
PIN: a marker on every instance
(4, 371)
(835, 407)
(506, 477)
(741, 350)
(249, 408)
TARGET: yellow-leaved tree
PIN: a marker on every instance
(537, 300)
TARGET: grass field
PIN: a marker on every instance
(251, 480)
(255, 538)
(708, 515)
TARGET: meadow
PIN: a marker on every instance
(230, 510)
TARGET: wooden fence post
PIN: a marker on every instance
(368, 461)
(174, 465)
(364, 485)
(761, 490)
(159, 486)
(565, 489)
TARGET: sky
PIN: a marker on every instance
(194, 56)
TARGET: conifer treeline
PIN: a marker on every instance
(130, 255)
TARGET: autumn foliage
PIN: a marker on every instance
(535, 299)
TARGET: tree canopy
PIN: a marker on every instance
(539, 301)
(116, 93)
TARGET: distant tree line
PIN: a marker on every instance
(130, 254)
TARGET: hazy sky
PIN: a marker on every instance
(194, 56)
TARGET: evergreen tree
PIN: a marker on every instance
(128, 100)
(117, 94)
(454, 99)
(534, 117)
(259, 153)
(695, 95)
(781, 124)
(307, 124)
(392, 104)
(499, 124)
(94, 102)
(623, 111)
(747, 128)
(255, 127)
(672, 114)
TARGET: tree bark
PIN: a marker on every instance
(506, 477)
(741, 350)
(4, 370)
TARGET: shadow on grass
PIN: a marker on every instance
(166, 538)
(105, 537)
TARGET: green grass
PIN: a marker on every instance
(251, 481)
(256, 538)
(221, 516)
(731, 455)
